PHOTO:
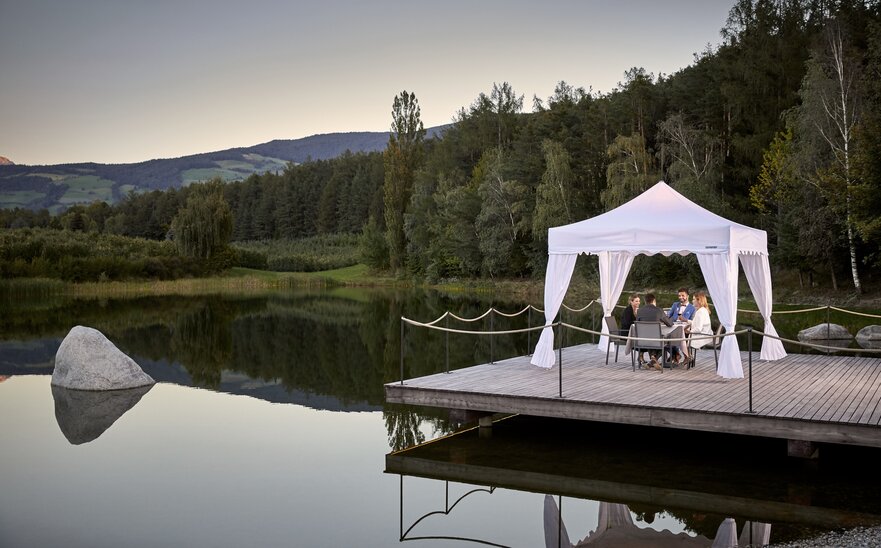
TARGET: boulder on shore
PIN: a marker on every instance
(825, 332)
(869, 336)
(87, 360)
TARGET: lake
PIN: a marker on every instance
(268, 427)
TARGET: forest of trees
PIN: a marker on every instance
(778, 127)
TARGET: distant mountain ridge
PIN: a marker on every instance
(57, 187)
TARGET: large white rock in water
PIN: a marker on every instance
(825, 332)
(87, 360)
(870, 336)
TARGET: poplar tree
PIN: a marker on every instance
(402, 156)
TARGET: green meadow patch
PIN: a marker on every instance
(85, 189)
(191, 176)
(19, 198)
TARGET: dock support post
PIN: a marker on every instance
(485, 424)
(802, 449)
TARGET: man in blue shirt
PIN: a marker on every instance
(680, 311)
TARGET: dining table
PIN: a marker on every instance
(674, 333)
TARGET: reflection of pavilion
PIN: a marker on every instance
(615, 528)
(726, 490)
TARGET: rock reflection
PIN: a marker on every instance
(83, 415)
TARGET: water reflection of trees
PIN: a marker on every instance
(343, 344)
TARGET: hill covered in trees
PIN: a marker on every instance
(778, 127)
(57, 187)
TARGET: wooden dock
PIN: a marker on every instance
(811, 398)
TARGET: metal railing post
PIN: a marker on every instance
(828, 325)
(447, 346)
(529, 331)
(560, 353)
(560, 521)
(492, 339)
(563, 334)
(750, 350)
(402, 350)
(593, 324)
(401, 530)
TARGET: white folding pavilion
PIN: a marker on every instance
(661, 220)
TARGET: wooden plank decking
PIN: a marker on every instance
(834, 399)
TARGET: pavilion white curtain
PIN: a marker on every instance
(560, 268)
(614, 268)
(758, 274)
(720, 273)
(726, 534)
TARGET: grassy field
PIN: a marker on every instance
(87, 189)
(205, 174)
(234, 280)
(245, 279)
(20, 198)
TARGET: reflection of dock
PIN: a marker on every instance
(834, 399)
(683, 472)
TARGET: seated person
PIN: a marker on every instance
(629, 314)
(700, 324)
(651, 313)
(680, 311)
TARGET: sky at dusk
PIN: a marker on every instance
(118, 81)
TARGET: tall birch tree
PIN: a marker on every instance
(831, 110)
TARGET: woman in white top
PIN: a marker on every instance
(700, 324)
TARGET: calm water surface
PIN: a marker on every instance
(268, 428)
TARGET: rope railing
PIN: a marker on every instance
(821, 346)
(618, 339)
(492, 310)
(854, 312)
(700, 337)
(585, 307)
(469, 332)
(563, 337)
(527, 308)
(778, 312)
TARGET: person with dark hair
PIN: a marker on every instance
(651, 313)
(680, 311)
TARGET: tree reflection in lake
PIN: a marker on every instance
(330, 349)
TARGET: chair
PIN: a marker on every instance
(648, 330)
(615, 336)
(715, 343)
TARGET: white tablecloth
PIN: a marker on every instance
(675, 333)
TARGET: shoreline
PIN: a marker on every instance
(358, 276)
